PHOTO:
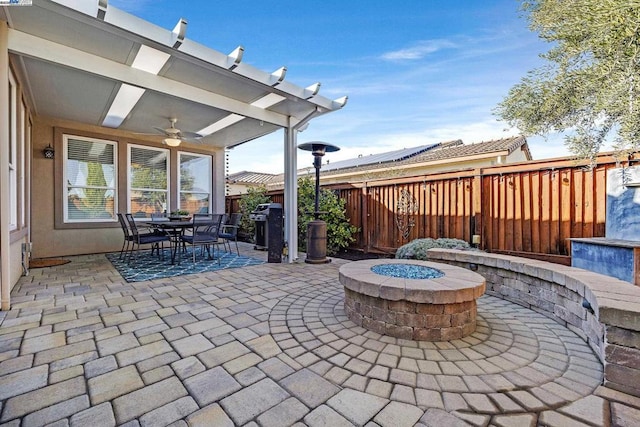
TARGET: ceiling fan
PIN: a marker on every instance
(175, 136)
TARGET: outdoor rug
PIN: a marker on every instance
(149, 267)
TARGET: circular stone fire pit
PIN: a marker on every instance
(409, 299)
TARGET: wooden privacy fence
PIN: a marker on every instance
(527, 209)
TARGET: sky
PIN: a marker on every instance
(416, 71)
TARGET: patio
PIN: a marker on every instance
(270, 344)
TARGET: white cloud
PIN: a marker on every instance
(419, 50)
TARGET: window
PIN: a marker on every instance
(195, 182)
(148, 180)
(90, 179)
(13, 153)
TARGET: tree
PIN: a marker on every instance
(588, 88)
(339, 231)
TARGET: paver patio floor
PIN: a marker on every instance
(270, 345)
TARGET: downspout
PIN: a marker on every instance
(291, 184)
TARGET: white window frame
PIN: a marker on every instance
(209, 175)
(65, 187)
(129, 178)
(13, 152)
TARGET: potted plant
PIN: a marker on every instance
(179, 215)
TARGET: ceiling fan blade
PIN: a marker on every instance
(189, 135)
(162, 131)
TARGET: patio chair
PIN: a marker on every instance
(128, 238)
(204, 233)
(229, 231)
(154, 239)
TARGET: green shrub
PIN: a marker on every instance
(339, 231)
(417, 249)
(248, 203)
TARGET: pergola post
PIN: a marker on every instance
(291, 193)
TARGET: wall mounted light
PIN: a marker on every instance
(48, 152)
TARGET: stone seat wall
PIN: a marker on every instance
(611, 326)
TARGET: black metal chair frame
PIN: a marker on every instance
(156, 240)
(128, 238)
(204, 233)
(232, 225)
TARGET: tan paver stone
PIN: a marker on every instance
(337, 375)
(356, 406)
(144, 352)
(45, 342)
(157, 361)
(249, 376)
(473, 419)
(505, 403)
(204, 325)
(187, 367)
(101, 415)
(529, 401)
(438, 418)
(265, 346)
(169, 413)
(224, 353)
(138, 325)
(404, 394)
(379, 388)
(23, 381)
(200, 386)
(192, 345)
(64, 352)
(556, 419)
(118, 318)
(49, 319)
(624, 416)
(43, 397)
(397, 414)
(157, 374)
(591, 409)
(65, 374)
(429, 367)
(561, 391)
(309, 387)
(283, 414)
(275, 368)
(241, 363)
(324, 416)
(454, 402)
(428, 382)
(212, 415)
(403, 377)
(139, 402)
(73, 324)
(100, 366)
(15, 364)
(451, 383)
(263, 396)
(9, 324)
(519, 420)
(429, 399)
(113, 384)
(56, 412)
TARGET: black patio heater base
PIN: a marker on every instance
(317, 242)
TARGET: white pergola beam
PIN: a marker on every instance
(46, 50)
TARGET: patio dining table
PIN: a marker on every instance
(175, 229)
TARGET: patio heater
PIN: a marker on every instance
(317, 229)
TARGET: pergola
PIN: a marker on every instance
(88, 62)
